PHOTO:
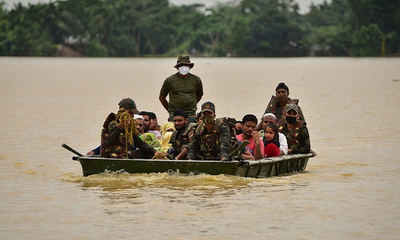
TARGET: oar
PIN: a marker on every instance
(71, 149)
(244, 144)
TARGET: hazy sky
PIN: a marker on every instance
(304, 4)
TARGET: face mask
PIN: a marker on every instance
(291, 120)
(184, 70)
(239, 131)
(207, 119)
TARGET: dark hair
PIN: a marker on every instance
(231, 122)
(275, 140)
(144, 113)
(152, 115)
(180, 112)
(283, 86)
(250, 118)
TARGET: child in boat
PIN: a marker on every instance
(271, 140)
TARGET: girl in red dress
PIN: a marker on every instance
(271, 140)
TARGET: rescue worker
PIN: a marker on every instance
(296, 131)
(278, 103)
(184, 89)
(212, 137)
(119, 135)
(182, 135)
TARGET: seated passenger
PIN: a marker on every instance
(139, 126)
(120, 135)
(182, 135)
(256, 146)
(296, 131)
(271, 140)
(212, 138)
(239, 127)
(233, 123)
(167, 127)
(153, 126)
(270, 118)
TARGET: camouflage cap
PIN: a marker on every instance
(208, 107)
(292, 106)
(183, 60)
(128, 103)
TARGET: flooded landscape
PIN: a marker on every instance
(349, 191)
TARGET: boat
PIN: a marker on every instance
(263, 168)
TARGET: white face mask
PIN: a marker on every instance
(184, 70)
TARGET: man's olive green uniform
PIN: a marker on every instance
(183, 93)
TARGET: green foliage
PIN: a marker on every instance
(367, 41)
(258, 28)
(95, 49)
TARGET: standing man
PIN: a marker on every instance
(296, 131)
(182, 135)
(211, 140)
(278, 103)
(256, 145)
(185, 89)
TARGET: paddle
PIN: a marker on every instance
(70, 149)
(244, 144)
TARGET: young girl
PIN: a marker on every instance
(271, 140)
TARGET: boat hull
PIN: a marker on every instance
(268, 167)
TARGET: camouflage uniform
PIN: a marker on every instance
(181, 139)
(211, 145)
(275, 108)
(113, 141)
(298, 137)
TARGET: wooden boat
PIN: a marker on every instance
(267, 167)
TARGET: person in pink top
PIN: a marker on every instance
(256, 145)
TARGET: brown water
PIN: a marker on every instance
(349, 191)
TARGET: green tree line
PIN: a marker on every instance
(249, 28)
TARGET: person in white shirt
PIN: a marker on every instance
(268, 118)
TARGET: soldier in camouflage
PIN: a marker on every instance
(212, 137)
(278, 103)
(113, 140)
(296, 131)
(182, 135)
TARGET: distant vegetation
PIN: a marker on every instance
(252, 28)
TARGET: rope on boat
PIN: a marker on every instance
(124, 117)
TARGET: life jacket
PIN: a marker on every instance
(178, 141)
(273, 104)
(117, 150)
(209, 142)
(291, 137)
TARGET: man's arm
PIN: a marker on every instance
(163, 101)
(259, 149)
(198, 98)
